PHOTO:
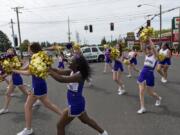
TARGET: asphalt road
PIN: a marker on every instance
(116, 114)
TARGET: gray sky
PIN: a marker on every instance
(47, 19)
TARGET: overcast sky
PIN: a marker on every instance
(46, 20)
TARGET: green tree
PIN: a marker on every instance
(4, 42)
(48, 44)
(113, 43)
(24, 45)
(103, 41)
(157, 32)
(43, 44)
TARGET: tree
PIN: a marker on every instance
(5, 43)
(24, 45)
(48, 44)
(157, 32)
(113, 43)
(103, 41)
(43, 44)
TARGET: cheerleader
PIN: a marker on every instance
(75, 77)
(146, 77)
(61, 61)
(15, 81)
(163, 66)
(108, 62)
(39, 91)
(76, 52)
(117, 72)
(133, 62)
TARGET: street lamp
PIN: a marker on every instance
(160, 18)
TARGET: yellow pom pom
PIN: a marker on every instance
(146, 34)
(161, 57)
(76, 47)
(114, 53)
(126, 62)
(40, 64)
(106, 46)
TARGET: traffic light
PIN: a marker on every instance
(90, 28)
(85, 27)
(112, 26)
(15, 41)
(148, 23)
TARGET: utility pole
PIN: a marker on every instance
(69, 31)
(77, 37)
(16, 9)
(12, 27)
(160, 29)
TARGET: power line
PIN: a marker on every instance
(157, 14)
(95, 19)
(5, 24)
(74, 4)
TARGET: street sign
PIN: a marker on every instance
(176, 21)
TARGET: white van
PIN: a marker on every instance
(93, 53)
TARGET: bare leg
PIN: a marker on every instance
(116, 78)
(64, 120)
(152, 93)
(7, 81)
(105, 67)
(23, 89)
(135, 68)
(165, 69)
(119, 78)
(28, 110)
(48, 104)
(159, 70)
(90, 122)
(8, 97)
(141, 94)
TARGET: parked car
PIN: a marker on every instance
(93, 53)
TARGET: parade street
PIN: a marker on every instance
(117, 114)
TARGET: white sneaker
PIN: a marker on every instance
(104, 133)
(141, 111)
(158, 102)
(3, 111)
(121, 92)
(163, 80)
(129, 76)
(37, 103)
(26, 131)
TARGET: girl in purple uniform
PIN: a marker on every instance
(132, 56)
(61, 61)
(117, 71)
(163, 66)
(146, 77)
(108, 61)
(39, 91)
(75, 77)
(15, 81)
